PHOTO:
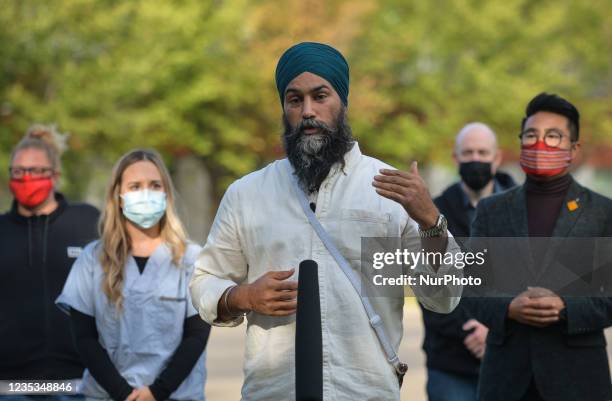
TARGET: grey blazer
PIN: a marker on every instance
(567, 360)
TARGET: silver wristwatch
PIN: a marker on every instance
(436, 231)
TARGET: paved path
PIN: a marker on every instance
(226, 349)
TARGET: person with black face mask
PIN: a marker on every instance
(478, 158)
(455, 343)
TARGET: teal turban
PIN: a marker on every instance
(317, 58)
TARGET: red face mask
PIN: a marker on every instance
(29, 191)
(541, 160)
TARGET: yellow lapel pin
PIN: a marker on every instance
(572, 205)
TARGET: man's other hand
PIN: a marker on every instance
(536, 307)
(271, 294)
(475, 342)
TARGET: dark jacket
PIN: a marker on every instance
(567, 360)
(450, 203)
(444, 335)
(36, 255)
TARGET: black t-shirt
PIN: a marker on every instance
(141, 262)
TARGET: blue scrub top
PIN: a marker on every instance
(142, 337)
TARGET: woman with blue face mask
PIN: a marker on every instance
(127, 294)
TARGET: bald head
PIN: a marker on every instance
(478, 158)
(475, 142)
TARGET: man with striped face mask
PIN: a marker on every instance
(549, 137)
(549, 144)
(548, 342)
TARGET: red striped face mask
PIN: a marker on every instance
(542, 160)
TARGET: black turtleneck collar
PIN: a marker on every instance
(544, 203)
(552, 187)
(61, 206)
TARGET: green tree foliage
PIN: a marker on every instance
(424, 69)
(196, 76)
(120, 75)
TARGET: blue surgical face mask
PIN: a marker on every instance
(144, 208)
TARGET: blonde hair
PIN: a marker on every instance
(114, 238)
(45, 138)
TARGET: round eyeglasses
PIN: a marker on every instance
(551, 139)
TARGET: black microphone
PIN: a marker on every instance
(308, 337)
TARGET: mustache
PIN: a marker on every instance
(312, 123)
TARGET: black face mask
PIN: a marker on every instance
(475, 174)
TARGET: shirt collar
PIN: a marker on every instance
(351, 158)
(466, 200)
(496, 187)
(159, 259)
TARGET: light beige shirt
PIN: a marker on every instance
(260, 226)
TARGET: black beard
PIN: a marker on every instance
(312, 156)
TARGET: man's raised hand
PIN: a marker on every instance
(409, 190)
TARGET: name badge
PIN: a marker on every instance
(74, 251)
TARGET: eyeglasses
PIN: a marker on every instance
(551, 139)
(38, 172)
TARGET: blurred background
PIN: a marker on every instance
(195, 80)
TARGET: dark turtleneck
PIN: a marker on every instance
(544, 202)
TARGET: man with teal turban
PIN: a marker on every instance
(261, 234)
(317, 58)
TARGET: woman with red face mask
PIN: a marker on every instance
(40, 238)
